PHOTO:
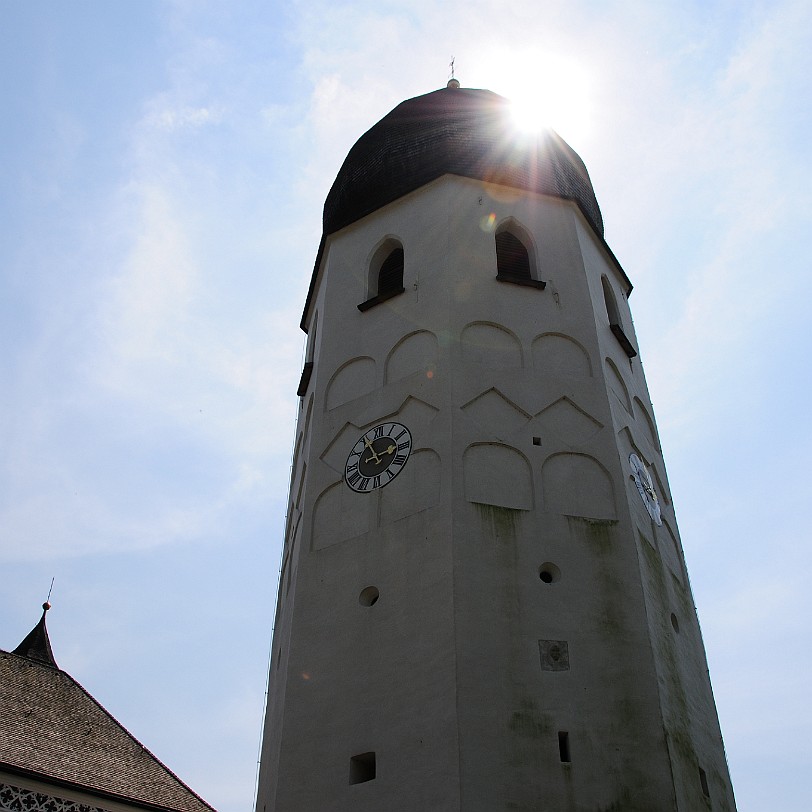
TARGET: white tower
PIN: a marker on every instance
(483, 602)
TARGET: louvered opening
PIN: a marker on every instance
(390, 276)
(512, 260)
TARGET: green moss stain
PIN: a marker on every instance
(528, 721)
(599, 532)
(501, 521)
(674, 701)
(610, 591)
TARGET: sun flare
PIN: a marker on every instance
(545, 91)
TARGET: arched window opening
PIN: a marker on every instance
(610, 302)
(615, 324)
(310, 352)
(514, 261)
(390, 276)
(385, 274)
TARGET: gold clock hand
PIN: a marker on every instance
(374, 455)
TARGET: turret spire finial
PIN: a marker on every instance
(37, 645)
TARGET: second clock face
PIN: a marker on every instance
(378, 457)
(645, 486)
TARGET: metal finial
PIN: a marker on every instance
(47, 605)
(452, 82)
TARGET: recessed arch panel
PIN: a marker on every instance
(577, 485)
(416, 352)
(557, 354)
(416, 488)
(647, 422)
(353, 379)
(338, 515)
(499, 475)
(669, 550)
(490, 345)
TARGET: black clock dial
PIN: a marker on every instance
(378, 457)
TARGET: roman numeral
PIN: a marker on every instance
(362, 485)
(403, 446)
(376, 482)
(353, 467)
(354, 478)
(378, 432)
(389, 474)
(400, 459)
(398, 436)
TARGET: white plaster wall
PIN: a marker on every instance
(521, 430)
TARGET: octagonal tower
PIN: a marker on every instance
(483, 602)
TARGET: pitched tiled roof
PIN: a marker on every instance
(51, 727)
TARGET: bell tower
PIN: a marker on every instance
(483, 602)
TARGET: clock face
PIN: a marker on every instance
(645, 486)
(378, 457)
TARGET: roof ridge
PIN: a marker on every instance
(134, 739)
(98, 786)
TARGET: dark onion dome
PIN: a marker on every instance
(457, 131)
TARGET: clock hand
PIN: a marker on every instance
(374, 455)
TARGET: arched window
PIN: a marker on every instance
(615, 324)
(611, 303)
(514, 262)
(310, 354)
(512, 259)
(390, 275)
(385, 274)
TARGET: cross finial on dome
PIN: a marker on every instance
(452, 82)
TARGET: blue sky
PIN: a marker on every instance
(164, 165)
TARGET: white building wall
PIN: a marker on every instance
(523, 408)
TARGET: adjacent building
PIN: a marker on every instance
(61, 751)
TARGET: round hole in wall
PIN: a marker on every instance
(368, 596)
(549, 573)
(675, 623)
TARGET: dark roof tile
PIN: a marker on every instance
(51, 727)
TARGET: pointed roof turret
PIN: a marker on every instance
(53, 730)
(36, 645)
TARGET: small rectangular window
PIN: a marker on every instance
(362, 768)
(564, 746)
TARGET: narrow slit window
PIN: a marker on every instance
(564, 746)
(362, 768)
(703, 780)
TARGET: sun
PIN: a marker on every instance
(545, 90)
